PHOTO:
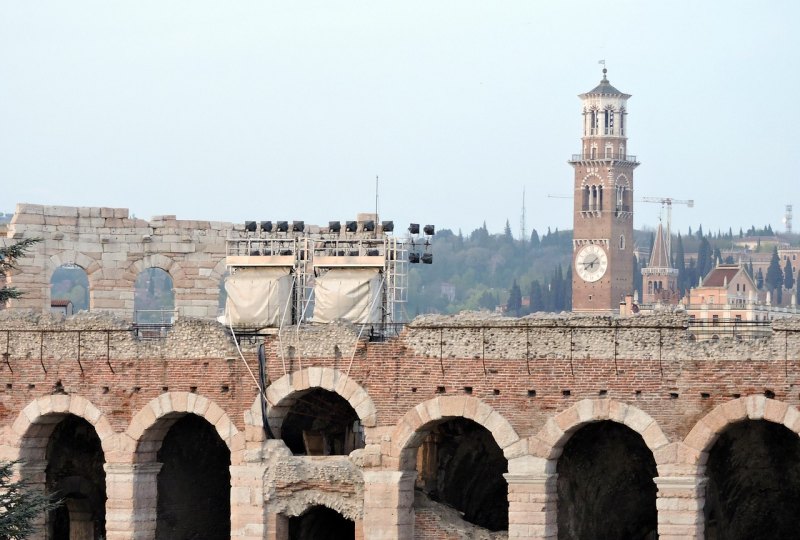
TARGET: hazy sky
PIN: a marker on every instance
(288, 110)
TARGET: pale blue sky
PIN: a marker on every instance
(287, 110)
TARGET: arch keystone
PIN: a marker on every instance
(452, 405)
(755, 407)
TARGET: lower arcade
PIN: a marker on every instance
(552, 429)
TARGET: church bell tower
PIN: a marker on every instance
(602, 258)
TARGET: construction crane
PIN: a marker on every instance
(667, 202)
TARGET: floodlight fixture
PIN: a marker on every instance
(413, 258)
(369, 225)
(254, 253)
(430, 230)
(266, 226)
(427, 258)
(373, 252)
(413, 228)
(283, 226)
(250, 226)
(351, 226)
(387, 226)
(298, 226)
(286, 252)
(334, 226)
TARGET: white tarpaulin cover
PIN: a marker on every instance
(257, 297)
(350, 294)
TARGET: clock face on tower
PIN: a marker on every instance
(591, 262)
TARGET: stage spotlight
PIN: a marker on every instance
(254, 253)
(283, 226)
(250, 226)
(334, 226)
(266, 226)
(298, 226)
(427, 258)
(413, 228)
(373, 252)
(413, 258)
(351, 226)
(387, 226)
(369, 225)
(429, 230)
(285, 252)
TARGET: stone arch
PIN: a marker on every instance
(411, 429)
(708, 429)
(81, 260)
(157, 260)
(148, 427)
(550, 441)
(35, 423)
(592, 179)
(622, 180)
(280, 395)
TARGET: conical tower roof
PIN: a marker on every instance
(605, 89)
(659, 257)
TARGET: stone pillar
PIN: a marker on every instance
(680, 507)
(277, 527)
(389, 505)
(132, 491)
(532, 500)
(34, 474)
(248, 510)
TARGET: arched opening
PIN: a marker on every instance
(75, 474)
(460, 465)
(753, 489)
(153, 297)
(223, 294)
(321, 423)
(194, 482)
(321, 523)
(69, 289)
(605, 485)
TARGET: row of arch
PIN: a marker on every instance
(147, 433)
(90, 276)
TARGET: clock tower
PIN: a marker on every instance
(602, 258)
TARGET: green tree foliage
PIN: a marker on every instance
(9, 255)
(680, 265)
(788, 275)
(774, 277)
(705, 261)
(638, 280)
(480, 266)
(514, 305)
(535, 242)
(19, 505)
(760, 279)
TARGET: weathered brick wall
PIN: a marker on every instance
(527, 370)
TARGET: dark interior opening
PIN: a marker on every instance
(460, 464)
(194, 483)
(605, 485)
(321, 523)
(75, 473)
(753, 489)
(321, 423)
